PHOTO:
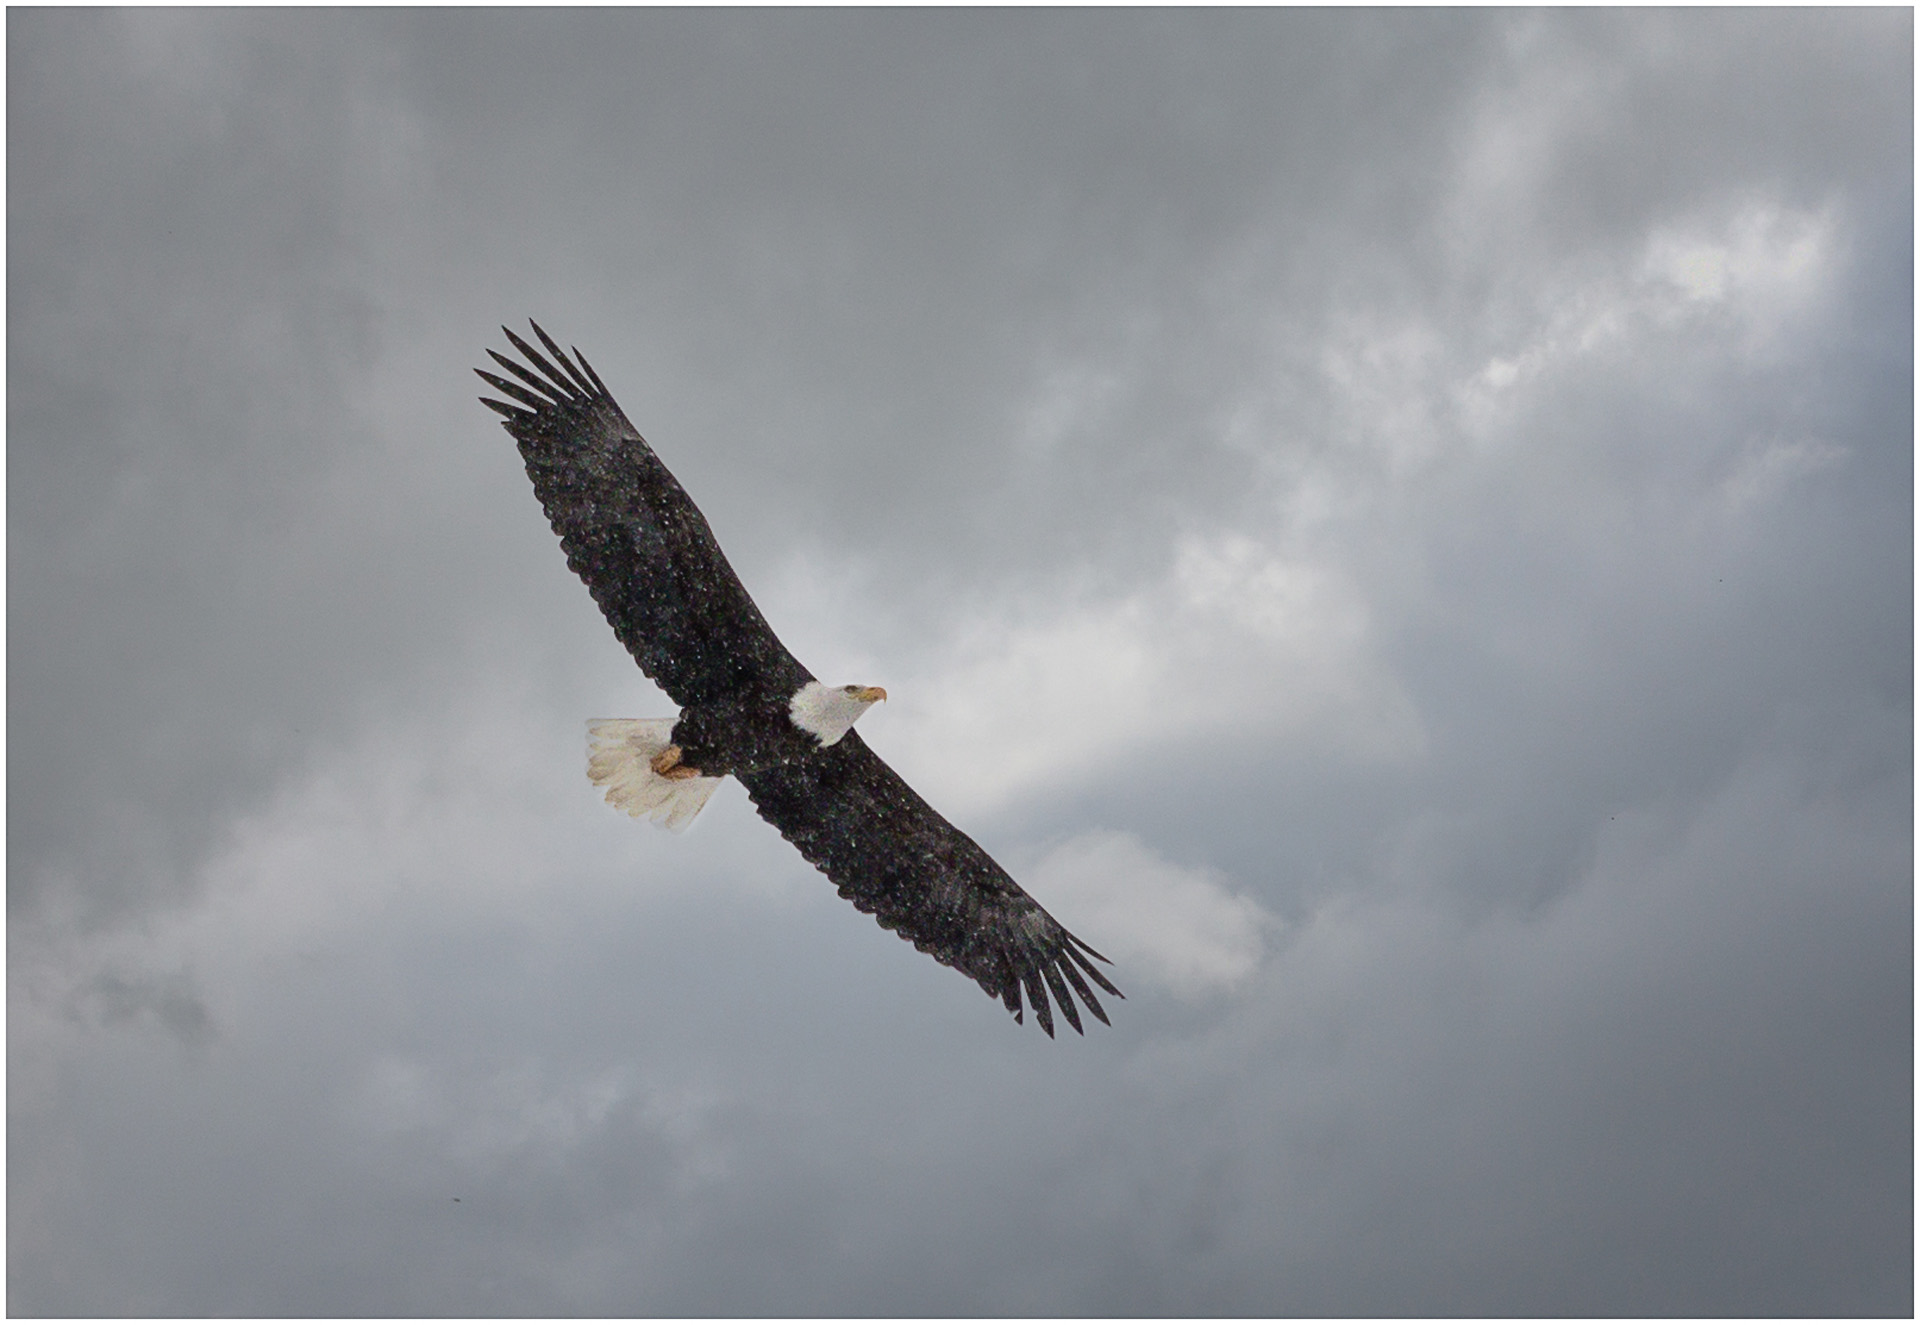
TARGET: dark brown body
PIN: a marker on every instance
(747, 734)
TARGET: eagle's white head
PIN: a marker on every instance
(828, 712)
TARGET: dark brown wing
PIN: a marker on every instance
(632, 533)
(894, 857)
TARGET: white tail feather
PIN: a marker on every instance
(620, 759)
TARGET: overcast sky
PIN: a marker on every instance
(1396, 527)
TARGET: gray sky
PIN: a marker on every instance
(1397, 527)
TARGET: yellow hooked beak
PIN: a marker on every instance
(870, 694)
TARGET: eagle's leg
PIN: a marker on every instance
(667, 764)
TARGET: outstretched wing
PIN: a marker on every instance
(893, 856)
(632, 533)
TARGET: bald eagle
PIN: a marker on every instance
(750, 710)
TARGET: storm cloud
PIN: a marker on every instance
(1395, 526)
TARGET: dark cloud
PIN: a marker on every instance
(1408, 516)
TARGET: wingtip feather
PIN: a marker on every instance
(1074, 977)
(531, 378)
(1087, 948)
(560, 354)
(1037, 996)
(587, 368)
(499, 407)
(538, 360)
(506, 388)
(1062, 997)
(1092, 970)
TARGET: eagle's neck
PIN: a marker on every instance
(825, 712)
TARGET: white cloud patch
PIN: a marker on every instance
(1181, 927)
(1766, 252)
(1766, 468)
(1752, 271)
(1235, 636)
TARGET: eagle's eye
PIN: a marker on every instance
(849, 689)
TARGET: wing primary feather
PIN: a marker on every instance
(545, 388)
(1087, 949)
(598, 385)
(1068, 969)
(1062, 997)
(1091, 969)
(499, 408)
(505, 387)
(565, 362)
(1010, 995)
(539, 361)
(1037, 996)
